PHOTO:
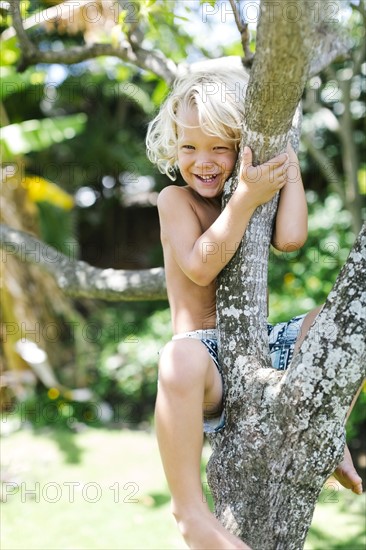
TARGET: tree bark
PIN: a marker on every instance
(79, 279)
(283, 434)
(266, 129)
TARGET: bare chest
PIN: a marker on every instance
(207, 212)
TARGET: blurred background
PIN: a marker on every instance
(78, 376)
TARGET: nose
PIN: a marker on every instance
(204, 165)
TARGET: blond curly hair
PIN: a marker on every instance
(219, 99)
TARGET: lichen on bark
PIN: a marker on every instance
(284, 433)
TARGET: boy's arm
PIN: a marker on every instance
(291, 224)
(202, 256)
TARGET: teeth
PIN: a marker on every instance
(212, 176)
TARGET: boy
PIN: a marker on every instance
(198, 131)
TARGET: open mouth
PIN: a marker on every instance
(207, 179)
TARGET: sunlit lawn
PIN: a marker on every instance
(102, 489)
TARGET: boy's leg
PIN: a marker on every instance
(346, 473)
(306, 324)
(188, 378)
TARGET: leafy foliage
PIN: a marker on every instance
(302, 280)
(35, 135)
(121, 372)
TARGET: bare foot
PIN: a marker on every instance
(204, 531)
(347, 475)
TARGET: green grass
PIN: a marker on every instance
(120, 498)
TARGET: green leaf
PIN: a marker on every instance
(35, 135)
(13, 82)
(132, 92)
(9, 51)
(160, 92)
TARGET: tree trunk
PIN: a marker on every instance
(284, 433)
(285, 436)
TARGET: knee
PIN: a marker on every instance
(182, 364)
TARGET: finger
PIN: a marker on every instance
(278, 161)
(247, 160)
(282, 182)
(282, 169)
(279, 180)
(278, 177)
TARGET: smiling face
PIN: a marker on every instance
(205, 161)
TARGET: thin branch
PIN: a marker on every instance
(25, 43)
(244, 33)
(79, 279)
(360, 8)
(360, 53)
(328, 46)
(326, 166)
(238, 20)
(49, 14)
(154, 61)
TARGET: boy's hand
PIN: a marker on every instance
(260, 183)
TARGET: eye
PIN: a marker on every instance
(189, 147)
(221, 148)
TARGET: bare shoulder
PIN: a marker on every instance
(169, 195)
(174, 201)
(181, 205)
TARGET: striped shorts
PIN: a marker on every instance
(281, 339)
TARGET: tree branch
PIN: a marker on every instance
(331, 362)
(326, 166)
(79, 279)
(360, 53)
(26, 45)
(329, 41)
(328, 46)
(48, 14)
(154, 61)
(349, 150)
(244, 33)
